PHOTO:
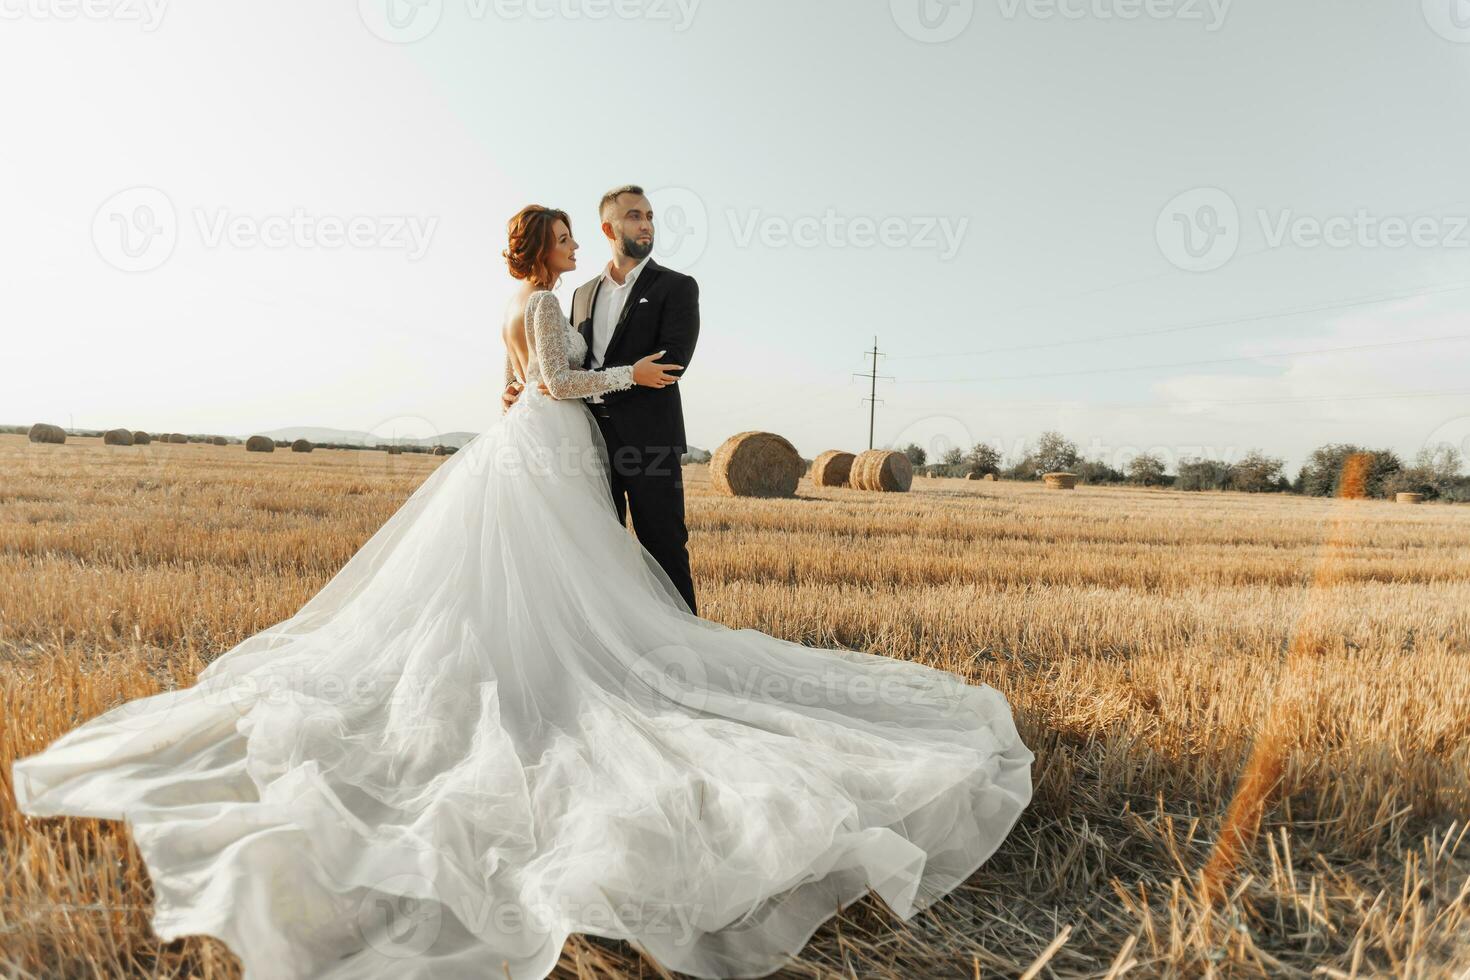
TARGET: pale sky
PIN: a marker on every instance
(236, 218)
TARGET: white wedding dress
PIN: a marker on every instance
(498, 725)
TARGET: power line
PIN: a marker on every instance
(872, 398)
(1432, 290)
(1177, 364)
(1231, 401)
(1319, 398)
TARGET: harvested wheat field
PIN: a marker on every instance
(1161, 649)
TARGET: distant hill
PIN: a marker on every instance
(456, 440)
(351, 437)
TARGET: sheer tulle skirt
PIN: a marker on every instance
(498, 724)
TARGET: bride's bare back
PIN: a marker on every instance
(513, 333)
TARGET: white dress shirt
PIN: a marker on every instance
(607, 308)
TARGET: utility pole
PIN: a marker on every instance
(873, 376)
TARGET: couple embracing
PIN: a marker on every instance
(635, 314)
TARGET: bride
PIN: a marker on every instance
(499, 724)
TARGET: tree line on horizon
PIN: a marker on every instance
(1434, 472)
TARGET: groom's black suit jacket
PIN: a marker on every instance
(661, 314)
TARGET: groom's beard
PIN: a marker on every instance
(637, 250)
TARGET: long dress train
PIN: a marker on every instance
(498, 724)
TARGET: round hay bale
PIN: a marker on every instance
(755, 464)
(141, 438)
(439, 451)
(219, 441)
(117, 437)
(989, 476)
(882, 469)
(1060, 481)
(260, 444)
(1408, 498)
(302, 446)
(832, 468)
(177, 437)
(46, 432)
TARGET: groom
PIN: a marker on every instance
(634, 308)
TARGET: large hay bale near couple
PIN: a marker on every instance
(756, 464)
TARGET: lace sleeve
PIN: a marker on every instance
(549, 332)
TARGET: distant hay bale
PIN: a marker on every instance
(177, 437)
(1060, 481)
(46, 432)
(439, 451)
(1408, 498)
(117, 437)
(260, 444)
(141, 438)
(832, 468)
(989, 476)
(755, 464)
(882, 469)
(219, 441)
(302, 446)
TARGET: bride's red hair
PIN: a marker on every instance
(531, 236)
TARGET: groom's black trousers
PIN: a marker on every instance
(649, 482)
